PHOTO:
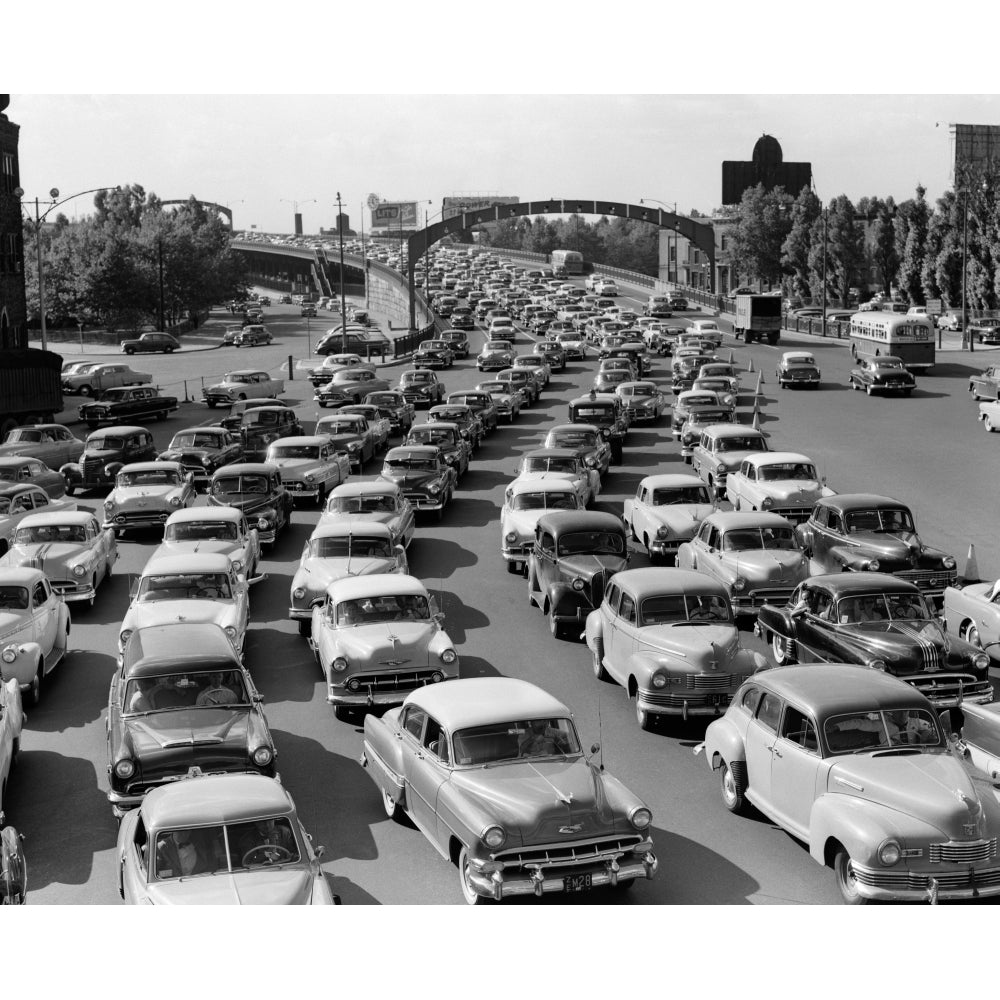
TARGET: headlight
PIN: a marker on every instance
(354, 446)
(877, 665)
(510, 538)
(298, 593)
(175, 501)
(79, 570)
(606, 432)
(263, 523)
(9, 655)
(434, 488)
(494, 836)
(448, 656)
(948, 562)
(339, 664)
(109, 505)
(873, 565)
(125, 768)
(437, 677)
(579, 584)
(640, 817)
(659, 681)
(125, 636)
(981, 661)
(263, 756)
(231, 631)
(889, 852)
(739, 585)
(663, 532)
(766, 504)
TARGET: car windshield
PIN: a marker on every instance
(383, 608)
(196, 688)
(368, 504)
(747, 443)
(50, 533)
(864, 731)
(598, 543)
(497, 345)
(418, 463)
(503, 742)
(667, 496)
(237, 377)
(279, 451)
(702, 400)
(208, 850)
(196, 439)
(431, 435)
(752, 539)
(410, 378)
(13, 598)
(241, 484)
(879, 520)
(883, 608)
(786, 470)
(349, 545)
(638, 390)
(455, 416)
(191, 531)
(384, 399)
(259, 416)
(184, 586)
(544, 501)
(703, 417)
(574, 439)
(495, 388)
(544, 464)
(149, 477)
(715, 384)
(611, 377)
(887, 363)
(675, 609)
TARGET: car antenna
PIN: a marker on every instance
(600, 732)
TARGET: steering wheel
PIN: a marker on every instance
(701, 614)
(211, 592)
(273, 854)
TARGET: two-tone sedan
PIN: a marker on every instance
(377, 502)
(15, 469)
(689, 401)
(221, 530)
(854, 764)
(587, 439)
(885, 374)
(481, 404)
(669, 638)
(376, 638)
(508, 400)
(349, 385)
(202, 450)
(53, 444)
(400, 410)
(525, 501)
(247, 383)
(781, 482)
(493, 772)
(495, 356)
(72, 549)
(351, 434)
(464, 417)
(798, 370)
(146, 494)
(21, 500)
(666, 511)
(309, 466)
(421, 387)
(420, 471)
(433, 354)
(337, 549)
(561, 463)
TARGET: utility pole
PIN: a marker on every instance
(824, 270)
(343, 298)
(159, 253)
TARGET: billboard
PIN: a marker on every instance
(473, 202)
(395, 215)
(976, 147)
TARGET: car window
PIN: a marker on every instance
(627, 609)
(612, 596)
(799, 729)
(749, 698)
(436, 740)
(769, 711)
(39, 595)
(413, 721)
(547, 543)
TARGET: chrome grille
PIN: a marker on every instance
(566, 855)
(927, 579)
(795, 514)
(952, 688)
(670, 699)
(92, 469)
(959, 879)
(963, 853)
(393, 680)
(711, 682)
(131, 516)
(759, 596)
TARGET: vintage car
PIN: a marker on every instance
(880, 622)
(376, 417)
(642, 399)
(151, 343)
(349, 434)
(145, 494)
(251, 335)
(574, 344)
(608, 380)
(350, 385)
(756, 557)
(233, 420)
(181, 699)
(11, 724)
(33, 472)
(346, 547)
(492, 770)
(256, 490)
(34, 629)
(972, 612)
(669, 638)
(334, 363)
(985, 330)
(94, 379)
(376, 638)
(520, 378)
(21, 500)
(561, 463)
(979, 737)
(722, 369)
(53, 444)
(248, 383)
(721, 449)
(495, 355)
(433, 354)
(401, 411)
(310, 466)
(666, 511)
(481, 404)
(262, 425)
(573, 556)
(798, 369)
(882, 374)
(421, 387)
(698, 419)
(222, 530)
(587, 439)
(105, 452)
(127, 405)
(721, 387)
(782, 482)
(457, 341)
(689, 401)
(686, 369)
(447, 438)
(985, 385)
(507, 400)
(525, 501)
(608, 413)
(70, 547)
(219, 839)
(202, 450)
(989, 414)
(376, 502)
(536, 366)
(190, 587)
(854, 764)
(421, 472)
(464, 417)
(553, 353)
(862, 531)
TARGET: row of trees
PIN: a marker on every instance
(912, 248)
(107, 269)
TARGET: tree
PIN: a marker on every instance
(795, 249)
(845, 247)
(763, 222)
(882, 238)
(912, 219)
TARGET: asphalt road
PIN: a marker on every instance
(914, 449)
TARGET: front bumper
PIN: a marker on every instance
(684, 703)
(219, 398)
(752, 600)
(71, 590)
(899, 883)
(666, 546)
(150, 519)
(310, 490)
(950, 690)
(516, 553)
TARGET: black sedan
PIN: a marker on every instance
(152, 343)
(882, 374)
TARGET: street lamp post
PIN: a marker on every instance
(672, 234)
(343, 297)
(824, 269)
(364, 255)
(39, 219)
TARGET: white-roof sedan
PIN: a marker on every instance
(212, 529)
(146, 494)
(194, 587)
(379, 502)
(781, 482)
(525, 501)
(667, 511)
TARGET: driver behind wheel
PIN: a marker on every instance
(264, 842)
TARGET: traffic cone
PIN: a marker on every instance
(756, 404)
(760, 382)
(732, 358)
(971, 574)
(750, 366)
(756, 419)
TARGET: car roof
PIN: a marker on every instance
(7, 460)
(671, 479)
(727, 520)
(860, 501)
(191, 562)
(827, 689)
(19, 576)
(311, 439)
(575, 428)
(349, 588)
(246, 468)
(649, 581)
(245, 371)
(378, 486)
(56, 517)
(846, 584)
(777, 457)
(178, 645)
(154, 466)
(558, 522)
(412, 450)
(519, 486)
(733, 430)
(479, 701)
(214, 799)
(798, 356)
(119, 430)
(552, 453)
(343, 527)
(205, 514)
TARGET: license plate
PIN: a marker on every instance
(577, 883)
(718, 699)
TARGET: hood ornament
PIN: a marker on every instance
(566, 797)
(575, 828)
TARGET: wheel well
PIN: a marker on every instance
(963, 627)
(633, 686)
(831, 849)
(454, 849)
(545, 606)
(716, 761)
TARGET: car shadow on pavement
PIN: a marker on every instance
(432, 558)
(692, 873)
(460, 617)
(468, 512)
(68, 700)
(478, 480)
(113, 595)
(476, 666)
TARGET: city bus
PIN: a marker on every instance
(909, 338)
(566, 262)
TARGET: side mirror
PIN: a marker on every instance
(257, 698)
(438, 617)
(595, 748)
(317, 602)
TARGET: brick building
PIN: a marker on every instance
(13, 310)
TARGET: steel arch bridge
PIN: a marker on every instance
(221, 209)
(701, 234)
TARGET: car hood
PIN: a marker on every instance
(317, 573)
(933, 787)
(135, 493)
(586, 566)
(681, 519)
(13, 621)
(101, 455)
(221, 612)
(341, 441)
(905, 545)
(375, 645)
(522, 522)
(413, 478)
(913, 641)
(249, 503)
(770, 565)
(288, 886)
(16, 449)
(291, 466)
(223, 727)
(44, 555)
(793, 490)
(233, 549)
(535, 800)
(707, 646)
(186, 454)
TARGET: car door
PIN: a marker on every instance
(241, 595)
(426, 769)
(822, 521)
(815, 628)
(609, 628)
(795, 761)
(134, 862)
(7, 722)
(545, 560)
(44, 617)
(619, 639)
(761, 737)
